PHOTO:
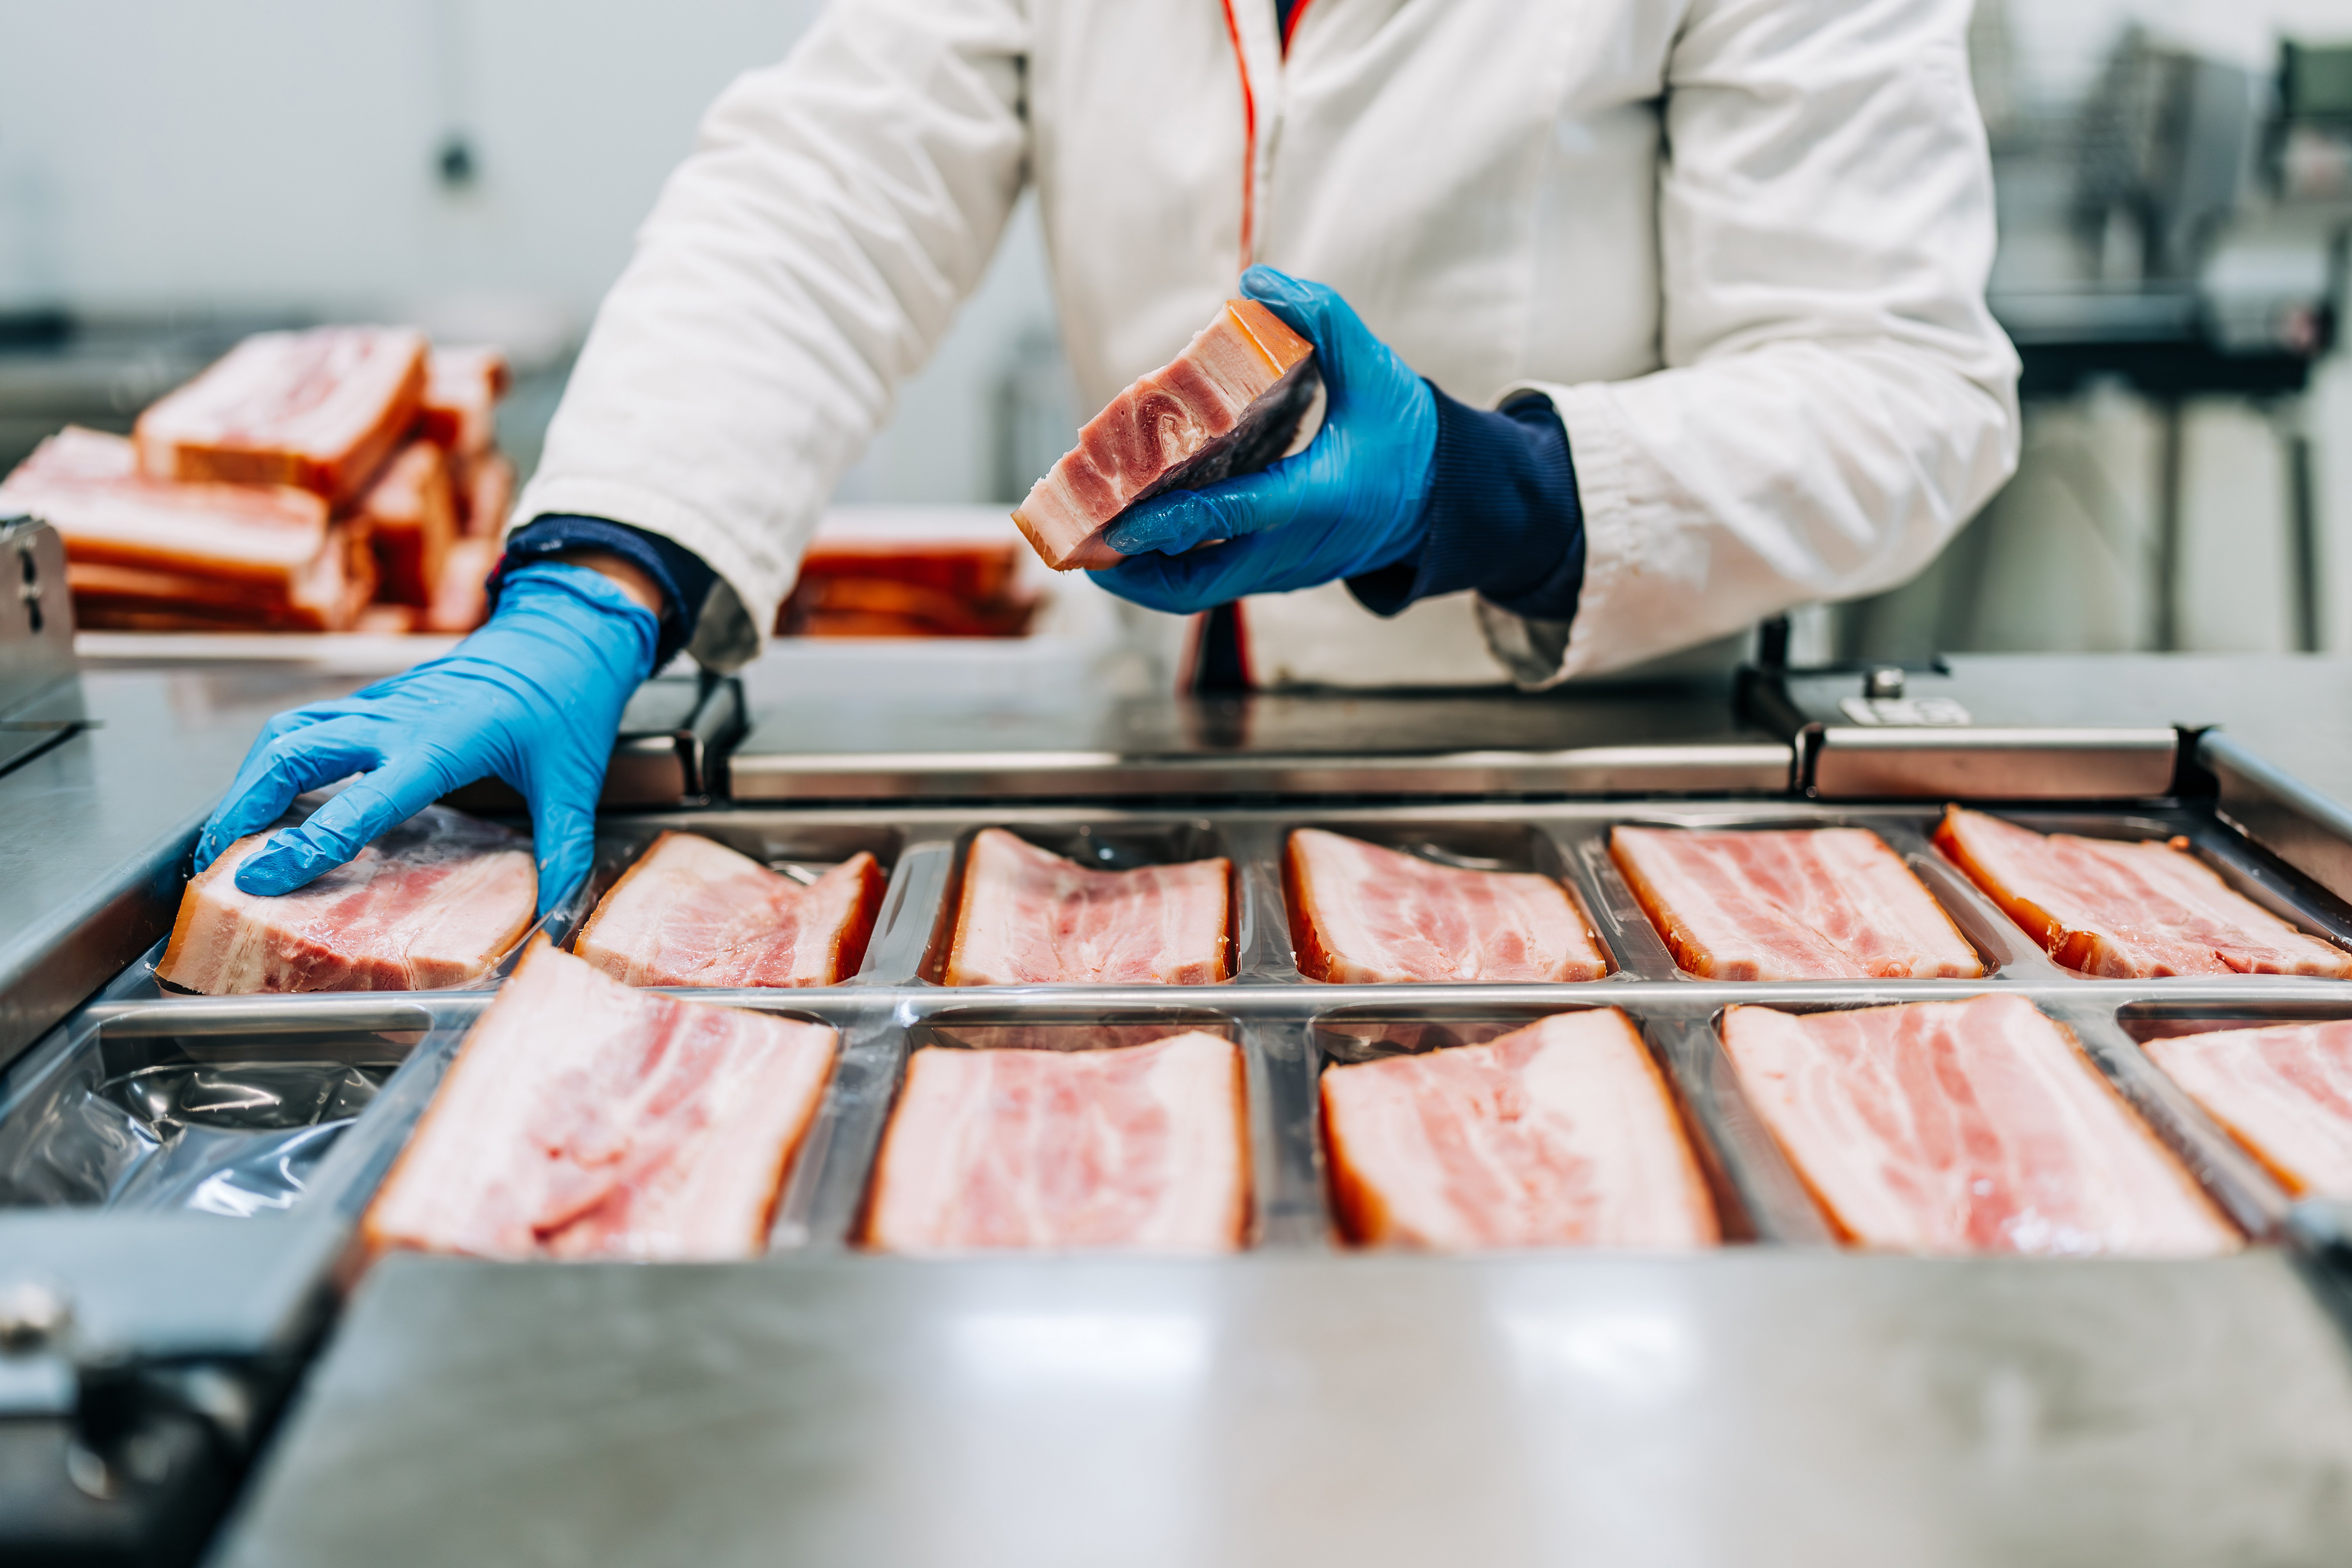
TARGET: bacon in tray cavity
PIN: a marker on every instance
(320, 410)
(1140, 1147)
(2127, 910)
(1030, 917)
(584, 1119)
(141, 553)
(1558, 1135)
(431, 904)
(1824, 903)
(1361, 914)
(1244, 392)
(692, 912)
(1964, 1127)
(2285, 1092)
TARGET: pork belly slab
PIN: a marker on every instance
(410, 514)
(1030, 917)
(320, 410)
(1824, 903)
(1558, 1135)
(585, 1120)
(462, 388)
(2127, 910)
(1962, 1127)
(433, 903)
(692, 912)
(1139, 1147)
(1244, 390)
(1361, 914)
(2285, 1092)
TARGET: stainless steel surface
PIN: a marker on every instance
(2308, 830)
(1752, 1406)
(36, 615)
(1667, 740)
(1859, 763)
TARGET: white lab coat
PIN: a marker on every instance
(1742, 244)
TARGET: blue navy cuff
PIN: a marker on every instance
(683, 576)
(1503, 516)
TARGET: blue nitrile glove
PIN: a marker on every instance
(534, 698)
(1354, 501)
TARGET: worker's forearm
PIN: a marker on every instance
(634, 580)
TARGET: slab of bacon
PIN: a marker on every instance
(584, 1119)
(1361, 914)
(1136, 1146)
(2127, 910)
(1974, 1126)
(486, 485)
(318, 410)
(411, 517)
(1558, 1135)
(142, 552)
(2285, 1092)
(1030, 917)
(462, 388)
(431, 904)
(1244, 391)
(692, 912)
(1824, 903)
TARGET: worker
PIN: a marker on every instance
(1640, 320)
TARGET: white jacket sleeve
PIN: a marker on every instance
(1837, 401)
(799, 265)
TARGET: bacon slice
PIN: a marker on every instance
(691, 912)
(1135, 1146)
(2129, 910)
(585, 1120)
(1364, 915)
(1824, 903)
(1972, 1126)
(411, 517)
(318, 410)
(1559, 1134)
(461, 599)
(462, 388)
(485, 494)
(139, 552)
(433, 903)
(2285, 1092)
(1244, 390)
(1029, 917)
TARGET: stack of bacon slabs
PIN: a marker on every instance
(2285, 1092)
(852, 587)
(1362, 914)
(1966, 1127)
(1558, 1135)
(1824, 903)
(145, 554)
(1029, 917)
(2127, 910)
(584, 1119)
(1138, 1147)
(1244, 391)
(432, 904)
(692, 912)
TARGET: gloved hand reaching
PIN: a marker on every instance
(534, 698)
(1353, 502)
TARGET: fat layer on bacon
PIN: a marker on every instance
(1824, 903)
(1030, 917)
(2127, 910)
(1244, 390)
(692, 912)
(2285, 1092)
(318, 410)
(1961, 1127)
(1558, 1135)
(1141, 1147)
(431, 904)
(584, 1119)
(1362, 914)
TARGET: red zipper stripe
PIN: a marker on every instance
(1249, 139)
(1290, 26)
